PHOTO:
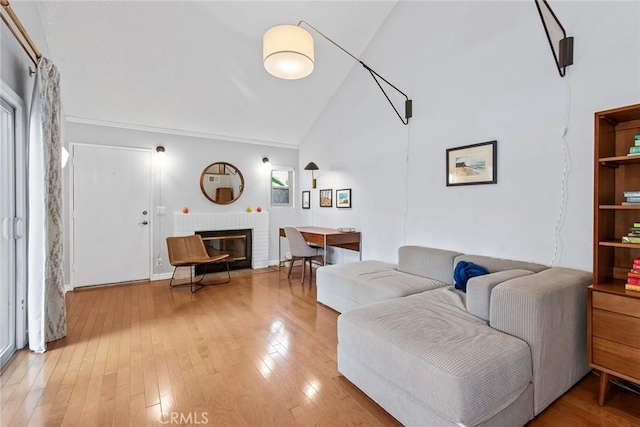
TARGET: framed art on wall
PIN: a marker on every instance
(306, 200)
(343, 198)
(326, 198)
(473, 164)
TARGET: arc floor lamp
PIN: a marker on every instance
(288, 53)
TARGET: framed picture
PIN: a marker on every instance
(343, 198)
(473, 164)
(326, 198)
(306, 200)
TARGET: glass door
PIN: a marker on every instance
(13, 248)
(7, 241)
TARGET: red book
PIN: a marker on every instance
(633, 281)
(633, 274)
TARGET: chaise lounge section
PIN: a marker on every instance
(495, 356)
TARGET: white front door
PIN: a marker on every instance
(111, 214)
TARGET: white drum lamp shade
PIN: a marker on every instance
(287, 52)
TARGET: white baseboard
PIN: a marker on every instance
(161, 276)
(68, 288)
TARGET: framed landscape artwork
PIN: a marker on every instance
(306, 200)
(343, 198)
(326, 198)
(472, 164)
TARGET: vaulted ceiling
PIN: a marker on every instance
(196, 66)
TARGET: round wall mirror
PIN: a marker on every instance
(222, 183)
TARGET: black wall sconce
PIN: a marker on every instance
(312, 167)
(563, 52)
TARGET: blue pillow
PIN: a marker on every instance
(465, 271)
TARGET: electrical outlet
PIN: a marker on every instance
(159, 262)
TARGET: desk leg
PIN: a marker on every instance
(326, 261)
(279, 251)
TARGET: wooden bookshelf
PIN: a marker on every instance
(613, 313)
(614, 173)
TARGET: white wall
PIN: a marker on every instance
(477, 71)
(186, 158)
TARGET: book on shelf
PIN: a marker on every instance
(636, 225)
(632, 275)
(633, 281)
(630, 203)
(631, 287)
(631, 239)
(631, 194)
(634, 150)
(633, 199)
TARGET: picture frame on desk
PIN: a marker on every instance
(326, 198)
(343, 198)
(306, 200)
(473, 164)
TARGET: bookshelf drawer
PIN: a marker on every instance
(616, 327)
(616, 357)
(616, 304)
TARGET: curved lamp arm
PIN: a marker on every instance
(408, 104)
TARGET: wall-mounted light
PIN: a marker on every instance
(287, 53)
(160, 155)
(561, 45)
(266, 162)
(312, 167)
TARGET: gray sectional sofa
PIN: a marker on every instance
(431, 355)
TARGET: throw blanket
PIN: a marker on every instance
(465, 271)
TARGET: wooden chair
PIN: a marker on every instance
(300, 249)
(189, 251)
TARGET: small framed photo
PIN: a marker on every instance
(306, 200)
(473, 164)
(343, 198)
(326, 198)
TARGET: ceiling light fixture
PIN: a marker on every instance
(312, 167)
(288, 53)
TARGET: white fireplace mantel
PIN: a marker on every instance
(188, 224)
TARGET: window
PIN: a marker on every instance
(282, 187)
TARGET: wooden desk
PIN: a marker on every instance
(324, 237)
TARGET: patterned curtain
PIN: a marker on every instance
(46, 304)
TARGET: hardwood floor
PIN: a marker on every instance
(258, 351)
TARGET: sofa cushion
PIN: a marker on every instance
(479, 290)
(435, 352)
(427, 262)
(493, 265)
(366, 282)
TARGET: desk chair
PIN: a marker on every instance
(189, 251)
(300, 249)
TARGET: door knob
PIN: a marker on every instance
(144, 222)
